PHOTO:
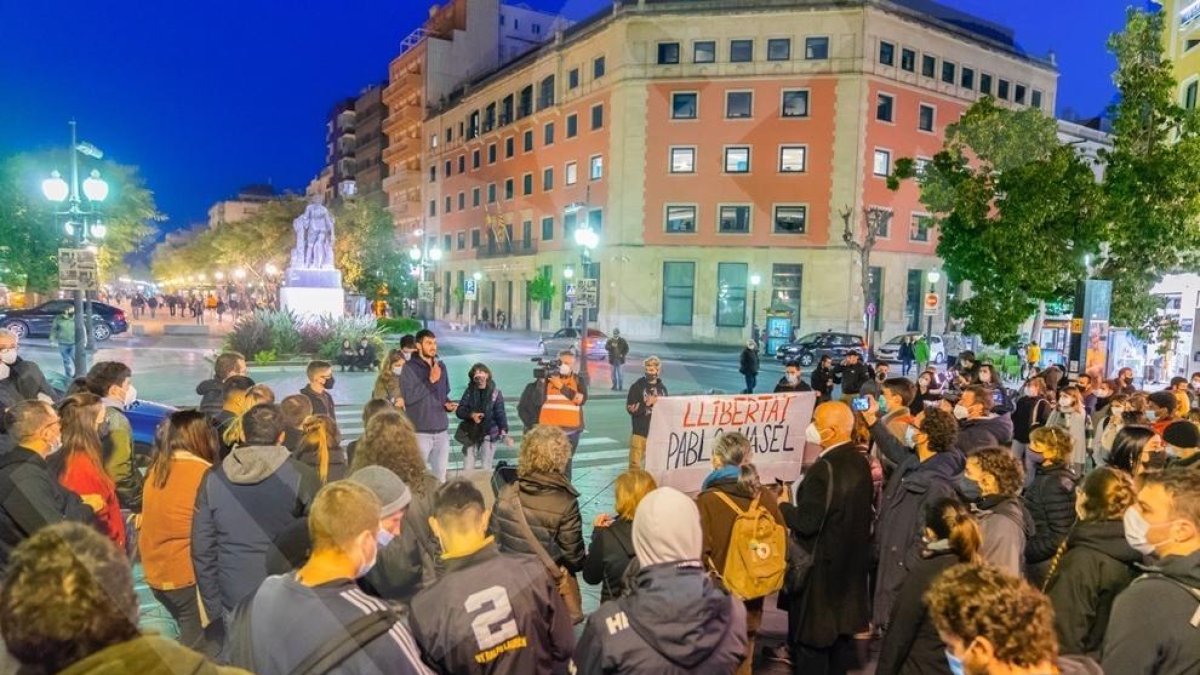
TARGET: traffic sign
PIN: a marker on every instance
(586, 294)
(570, 290)
(933, 303)
(425, 291)
(469, 289)
(78, 270)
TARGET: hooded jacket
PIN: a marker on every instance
(674, 622)
(241, 508)
(1006, 525)
(911, 645)
(609, 558)
(148, 655)
(212, 396)
(551, 506)
(1153, 629)
(1097, 565)
(1050, 500)
(983, 432)
(490, 402)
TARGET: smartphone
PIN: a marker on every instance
(997, 397)
(860, 403)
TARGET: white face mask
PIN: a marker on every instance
(5, 371)
(564, 369)
(396, 370)
(812, 434)
(910, 437)
(961, 412)
(8, 356)
(130, 395)
(1137, 530)
(1066, 403)
(1151, 414)
(791, 379)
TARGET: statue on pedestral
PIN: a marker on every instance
(314, 239)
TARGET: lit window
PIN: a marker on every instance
(883, 162)
(596, 168)
(572, 171)
(793, 159)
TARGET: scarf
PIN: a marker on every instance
(723, 473)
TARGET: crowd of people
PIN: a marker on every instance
(964, 528)
(194, 305)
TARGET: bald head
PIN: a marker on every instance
(834, 421)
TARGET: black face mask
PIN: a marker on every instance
(329, 383)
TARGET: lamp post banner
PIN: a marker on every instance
(684, 429)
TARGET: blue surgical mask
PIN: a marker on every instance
(1151, 414)
(384, 538)
(956, 664)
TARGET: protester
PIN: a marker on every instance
(565, 395)
(62, 335)
(1160, 410)
(640, 402)
(295, 409)
(30, 496)
(1049, 499)
(791, 380)
(1032, 410)
(674, 621)
(907, 355)
(228, 421)
(834, 605)
(1137, 450)
(491, 612)
(609, 557)
(387, 383)
(229, 550)
(1183, 396)
(113, 381)
(730, 490)
(748, 366)
(823, 378)
(1110, 421)
(321, 449)
(911, 645)
(484, 422)
(852, 373)
(211, 391)
(1094, 564)
(425, 388)
(618, 351)
(1003, 518)
(1153, 624)
(1123, 383)
(1072, 416)
(370, 409)
(1182, 439)
(79, 466)
(922, 476)
(67, 605)
(966, 368)
(296, 620)
(320, 381)
(927, 392)
(20, 380)
(895, 394)
(979, 427)
(184, 451)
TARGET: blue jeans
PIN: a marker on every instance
(68, 356)
(751, 382)
(617, 377)
(435, 449)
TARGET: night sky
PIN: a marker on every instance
(208, 96)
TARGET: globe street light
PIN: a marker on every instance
(569, 272)
(55, 188)
(755, 280)
(95, 189)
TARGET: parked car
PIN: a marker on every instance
(890, 350)
(144, 416)
(568, 338)
(35, 322)
(810, 348)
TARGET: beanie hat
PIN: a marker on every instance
(1182, 434)
(1164, 399)
(666, 528)
(393, 494)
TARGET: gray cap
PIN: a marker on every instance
(393, 494)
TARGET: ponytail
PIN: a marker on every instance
(949, 519)
(748, 478)
(317, 431)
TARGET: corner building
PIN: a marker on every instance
(709, 143)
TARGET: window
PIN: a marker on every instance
(448, 165)
(509, 188)
(525, 102)
(598, 67)
(741, 51)
(433, 140)
(683, 160)
(679, 279)
(883, 162)
(928, 65)
(474, 196)
(739, 105)
(731, 294)
(908, 60)
(1035, 98)
(475, 238)
(573, 78)
(875, 274)
(569, 222)
(925, 117)
(489, 117)
(448, 204)
(595, 167)
(449, 134)
(433, 174)
(595, 220)
(475, 159)
(968, 78)
(683, 105)
(795, 103)
(1002, 90)
(816, 48)
(491, 189)
(793, 158)
(734, 219)
(704, 52)
(597, 117)
(447, 244)
(985, 84)
(887, 53)
(668, 52)
(462, 200)
(473, 125)
(785, 286)
(779, 49)
(527, 184)
(883, 107)
(548, 228)
(506, 110)
(548, 179)
(912, 300)
(509, 147)
(548, 134)
(528, 141)
(921, 224)
(737, 159)
(462, 163)
(572, 125)
(949, 71)
(681, 219)
(546, 93)
(884, 222)
(791, 219)
(462, 240)
(1019, 94)
(433, 207)
(572, 173)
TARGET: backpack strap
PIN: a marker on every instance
(731, 504)
(514, 498)
(1190, 590)
(340, 647)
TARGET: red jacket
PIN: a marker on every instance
(84, 476)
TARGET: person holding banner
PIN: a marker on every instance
(562, 405)
(640, 403)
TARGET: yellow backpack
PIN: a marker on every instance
(757, 557)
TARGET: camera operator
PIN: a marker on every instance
(557, 394)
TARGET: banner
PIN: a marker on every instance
(684, 429)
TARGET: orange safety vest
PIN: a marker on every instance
(560, 411)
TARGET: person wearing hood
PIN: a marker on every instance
(1154, 623)
(640, 402)
(90, 628)
(748, 366)
(674, 620)
(1095, 564)
(113, 382)
(212, 391)
(997, 624)
(978, 426)
(1050, 499)
(927, 467)
(20, 380)
(791, 380)
(1182, 438)
(229, 549)
(823, 378)
(484, 422)
(1005, 522)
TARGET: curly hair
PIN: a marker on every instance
(67, 594)
(978, 601)
(1001, 465)
(1107, 494)
(940, 428)
(390, 441)
(1055, 442)
(544, 449)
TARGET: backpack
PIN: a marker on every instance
(757, 556)
(529, 408)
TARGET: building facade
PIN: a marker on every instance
(247, 202)
(1181, 39)
(710, 144)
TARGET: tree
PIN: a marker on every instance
(1152, 179)
(542, 290)
(1016, 211)
(875, 223)
(373, 261)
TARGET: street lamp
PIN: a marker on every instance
(569, 273)
(934, 276)
(755, 280)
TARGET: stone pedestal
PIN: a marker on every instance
(313, 293)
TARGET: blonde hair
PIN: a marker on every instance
(630, 487)
(238, 403)
(320, 435)
(259, 393)
(1055, 442)
(341, 512)
(652, 361)
(544, 449)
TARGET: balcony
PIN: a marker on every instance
(498, 249)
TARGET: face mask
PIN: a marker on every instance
(961, 412)
(397, 370)
(1066, 403)
(883, 405)
(1136, 531)
(812, 434)
(329, 383)
(1195, 384)
(384, 538)
(564, 370)
(5, 371)
(910, 437)
(792, 379)
(367, 564)
(1151, 414)
(8, 356)
(956, 664)
(130, 395)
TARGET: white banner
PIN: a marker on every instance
(684, 429)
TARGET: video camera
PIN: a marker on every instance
(545, 367)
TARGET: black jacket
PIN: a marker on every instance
(31, 498)
(24, 383)
(1030, 412)
(918, 403)
(551, 506)
(983, 432)
(783, 386)
(1097, 565)
(490, 402)
(1152, 629)
(674, 622)
(608, 558)
(852, 377)
(749, 362)
(413, 560)
(212, 396)
(493, 613)
(322, 403)
(911, 645)
(640, 417)
(1050, 499)
(823, 380)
